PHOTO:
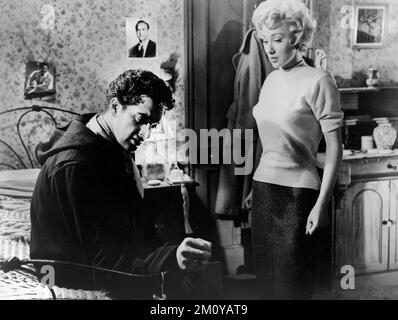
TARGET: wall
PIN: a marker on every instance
(344, 61)
(349, 65)
(87, 47)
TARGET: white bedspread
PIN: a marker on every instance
(18, 183)
(14, 227)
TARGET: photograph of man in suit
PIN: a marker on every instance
(145, 48)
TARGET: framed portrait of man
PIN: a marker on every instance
(141, 38)
(370, 22)
(39, 80)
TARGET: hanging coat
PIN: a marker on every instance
(252, 67)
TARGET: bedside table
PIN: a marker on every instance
(169, 207)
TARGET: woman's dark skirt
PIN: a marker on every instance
(285, 257)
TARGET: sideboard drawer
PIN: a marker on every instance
(365, 168)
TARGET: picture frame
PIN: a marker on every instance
(141, 38)
(39, 80)
(370, 24)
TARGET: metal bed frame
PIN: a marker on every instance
(30, 109)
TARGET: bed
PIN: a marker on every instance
(18, 179)
(18, 278)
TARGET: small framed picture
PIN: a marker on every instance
(141, 38)
(370, 23)
(39, 80)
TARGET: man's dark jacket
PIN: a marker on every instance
(86, 209)
(150, 52)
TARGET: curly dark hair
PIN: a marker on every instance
(129, 86)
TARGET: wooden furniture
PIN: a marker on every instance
(176, 215)
(366, 214)
(169, 205)
(366, 89)
(178, 212)
(373, 101)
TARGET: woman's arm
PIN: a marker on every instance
(257, 158)
(334, 152)
(259, 152)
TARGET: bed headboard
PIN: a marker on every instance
(26, 110)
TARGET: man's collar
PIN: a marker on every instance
(145, 43)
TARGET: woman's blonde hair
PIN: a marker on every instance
(273, 13)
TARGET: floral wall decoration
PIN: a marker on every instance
(85, 41)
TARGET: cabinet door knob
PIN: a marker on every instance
(390, 166)
(389, 223)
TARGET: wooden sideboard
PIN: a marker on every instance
(365, 233)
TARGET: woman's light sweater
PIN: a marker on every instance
(295, 107)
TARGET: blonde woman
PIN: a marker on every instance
(297, 105)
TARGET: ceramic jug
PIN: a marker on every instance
(373, 77)
(384, 135)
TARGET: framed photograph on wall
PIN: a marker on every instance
(370, 23)
(39, 80)
(141, 38)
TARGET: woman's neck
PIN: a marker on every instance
(294, 61)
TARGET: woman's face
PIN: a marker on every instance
(278, 45)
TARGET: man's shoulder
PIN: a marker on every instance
(48, 75)
(63, 160)
(34, 74)
(133, 49)
(151, 49)
(152, 44)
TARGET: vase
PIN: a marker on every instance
(154, 171)
(373, 77)
(384, 135)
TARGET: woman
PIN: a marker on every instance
(297, 104)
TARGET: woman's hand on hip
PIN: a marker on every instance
(317, 218)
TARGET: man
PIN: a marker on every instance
(87, 203)
(145, 48)
(39, 80)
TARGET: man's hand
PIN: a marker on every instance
(193, 254)
(317, 218)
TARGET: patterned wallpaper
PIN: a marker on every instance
(87, 46)
(350, 63)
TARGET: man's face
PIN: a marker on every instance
(142, 31)
(43, 69)
(130, 122)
